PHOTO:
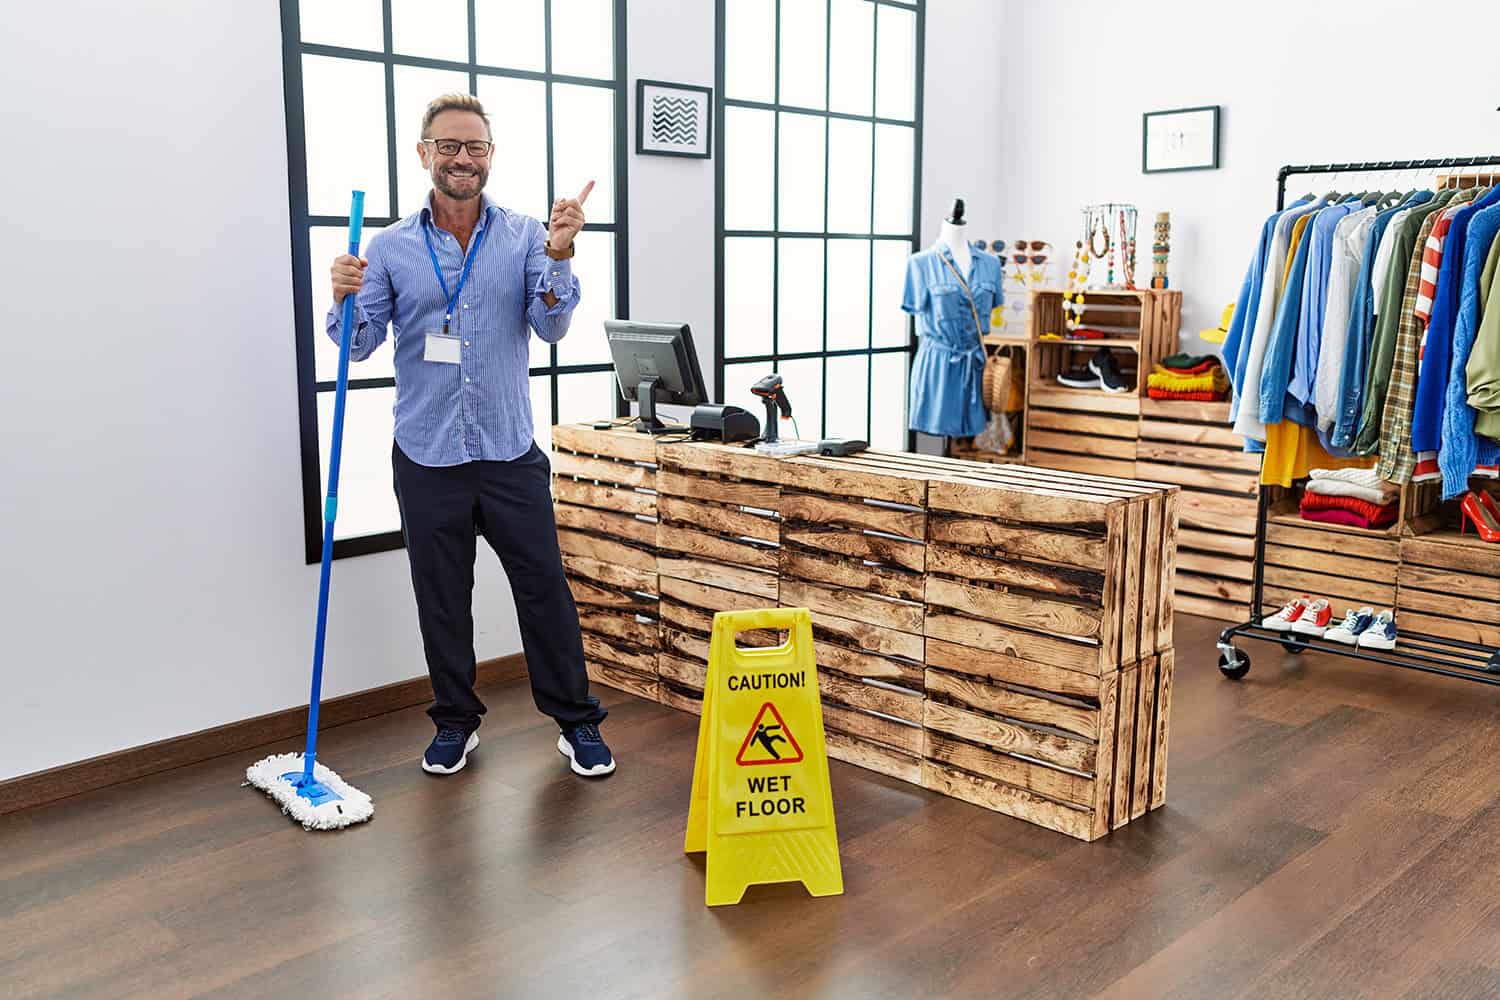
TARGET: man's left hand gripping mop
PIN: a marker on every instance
(307, 791)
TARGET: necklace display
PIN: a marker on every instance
(1078, 273)
(1109, 235)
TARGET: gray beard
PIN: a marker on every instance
(440, 182)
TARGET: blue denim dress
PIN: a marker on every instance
(947, 373)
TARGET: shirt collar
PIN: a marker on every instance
(486, 206)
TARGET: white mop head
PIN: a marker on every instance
(352, 805)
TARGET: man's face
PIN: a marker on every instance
(460, 175)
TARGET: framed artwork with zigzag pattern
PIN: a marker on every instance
(673, 119)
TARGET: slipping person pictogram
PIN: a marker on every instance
(766, 738)
(760, 743)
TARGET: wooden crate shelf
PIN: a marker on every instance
(946, 597)
(1347, 566)
(1089, 430)
(1448, 584)
(1074, 752)
(1190, 444)
(603, 487)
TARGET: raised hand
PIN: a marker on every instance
(567, 219)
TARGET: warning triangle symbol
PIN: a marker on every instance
(769, 741)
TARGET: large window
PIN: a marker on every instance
(358, 75)
(819, 140)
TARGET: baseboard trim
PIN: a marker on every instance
(108, 769)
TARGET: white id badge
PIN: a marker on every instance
(442, 349)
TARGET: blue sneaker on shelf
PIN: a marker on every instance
(1353, 626)
(585, 750)
(1381, 634)
(449, 750)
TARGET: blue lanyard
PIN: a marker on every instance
(463, 275)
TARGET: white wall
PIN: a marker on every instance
(672, 199)
(1299, 82)
(966, 102)
(151, 511)
(151, 505)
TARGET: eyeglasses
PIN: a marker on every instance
(1036, 258)
(1032, 244)
(478, 148)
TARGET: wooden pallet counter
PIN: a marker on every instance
(999, 633)
(1076, 753)
(717, 538)
(853, 551)
(603, 488)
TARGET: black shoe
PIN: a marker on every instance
(1104, 365)
(449, 751)
(1079, 378)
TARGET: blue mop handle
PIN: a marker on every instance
(331, 504)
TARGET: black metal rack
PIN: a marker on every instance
(1417, 651)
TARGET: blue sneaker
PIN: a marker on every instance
(585, 750)
(449, 751)
(1353, 626)
(1381, 634)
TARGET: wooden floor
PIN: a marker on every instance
(1331, 830)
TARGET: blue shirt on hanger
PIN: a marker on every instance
(1362, 330)
(1277, 372)
(1314, 304)
(1236, 350)
(1432, 379)
(948, 370)
(1461, 448)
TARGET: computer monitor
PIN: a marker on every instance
(655, 363)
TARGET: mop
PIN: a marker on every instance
(310, 792)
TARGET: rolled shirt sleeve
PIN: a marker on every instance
(543, 274)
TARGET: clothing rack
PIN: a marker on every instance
(1432, 654)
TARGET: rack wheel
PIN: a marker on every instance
(1293, 647)
(1235, 668)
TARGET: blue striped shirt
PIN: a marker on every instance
(480, 408)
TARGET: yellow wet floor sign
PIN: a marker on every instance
(761, 806)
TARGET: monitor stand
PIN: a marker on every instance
(645, 395)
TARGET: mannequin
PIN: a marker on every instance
(951, 291)
(954, 233)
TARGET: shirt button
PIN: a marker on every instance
(466, 378)
(466, 343)
(466, 305)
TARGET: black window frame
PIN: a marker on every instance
(721, 102)
(308, 387)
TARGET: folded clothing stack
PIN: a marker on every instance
(1354, 497)
(1186, 376)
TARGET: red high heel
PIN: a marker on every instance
(1487, 500)
(1475, 512)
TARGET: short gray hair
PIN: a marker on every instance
(454, 102)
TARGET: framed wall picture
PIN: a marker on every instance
(1185, 139)
(673, 119)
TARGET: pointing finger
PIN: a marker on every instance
(583, 195)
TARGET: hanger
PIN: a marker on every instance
(1390, 181)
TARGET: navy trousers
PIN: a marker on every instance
(443, 513)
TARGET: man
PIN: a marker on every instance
(460, 281)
